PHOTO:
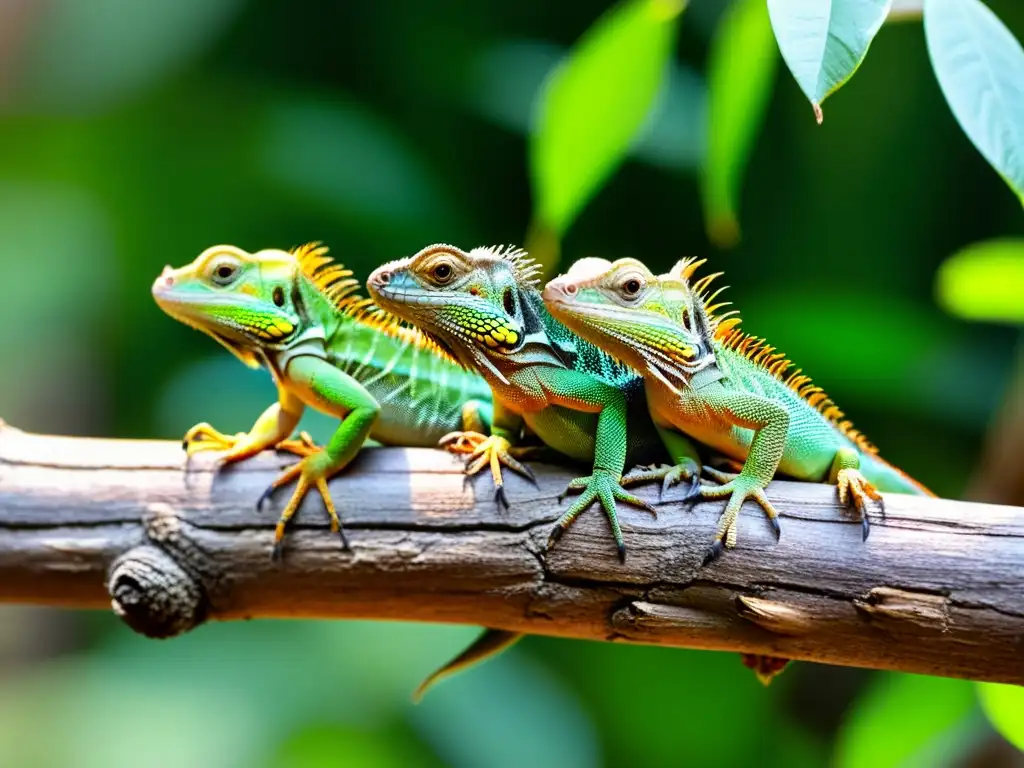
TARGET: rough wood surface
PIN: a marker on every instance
(938, 587)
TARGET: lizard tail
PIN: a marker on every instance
(891, 479)
(490, 643)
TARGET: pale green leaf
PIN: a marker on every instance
(592, 105)
(824, 41)
(741, 73)
(1004, 705)
(984, 281)
(900, 719)
(980, 68)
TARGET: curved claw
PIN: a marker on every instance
(493, 451)
(854, 490)
(738, 488)
(713, 553)
(265, 497)
(602, 486)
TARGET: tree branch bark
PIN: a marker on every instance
(938, 588)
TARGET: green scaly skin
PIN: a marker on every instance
(296, 314)
(707, 380)
(483, 307)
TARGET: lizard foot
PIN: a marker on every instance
(302, 446)
(601, 486)
(493, 451)
(311, 472)
(203, 437)
(687, 470)
(738, 488)
(854, 491)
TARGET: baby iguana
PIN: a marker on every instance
(717, 385)
(483, 307)
(297, 314)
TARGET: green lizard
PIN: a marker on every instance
(483, 307)
(730, 391)
(297, 314)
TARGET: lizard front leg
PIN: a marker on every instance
(332, 391)
(271, 429)
(685, 466)
(493, 450)
(770, 423)
(583, 393)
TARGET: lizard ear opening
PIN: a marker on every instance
(509, 302)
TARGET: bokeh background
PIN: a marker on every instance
(135, 134)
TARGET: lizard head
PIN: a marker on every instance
(246, 301)
(471, 303)
(655, 324)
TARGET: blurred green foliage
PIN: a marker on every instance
(134, 135)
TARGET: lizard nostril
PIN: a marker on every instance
(384, 278)
(570, 289)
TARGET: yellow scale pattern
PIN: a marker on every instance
(761, 353)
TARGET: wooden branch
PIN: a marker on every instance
(938, 587)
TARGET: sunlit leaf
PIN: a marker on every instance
(900, 717)
(984, 281)
(980, 68)
(592, 106)
(1004, 705)
(741, 73)
(505, 77)
(824, 41)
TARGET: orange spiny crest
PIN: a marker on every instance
(760, 353)
(337, 285)
(727, 333)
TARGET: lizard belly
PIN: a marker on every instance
(567, 431)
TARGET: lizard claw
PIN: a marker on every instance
(854, 491)
(602, 486)
(713, 553)
(483, 451)
(309, 473)
(738, 488)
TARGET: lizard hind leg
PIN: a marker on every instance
(853, 488)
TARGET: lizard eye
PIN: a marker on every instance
(224, 273)
(631, 287)
(278, 296)
(443, 272)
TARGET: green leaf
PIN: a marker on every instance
(980, 68)
(824, 41)
(741, 73)
(1004, 706)
(901, 718)
(592, 106)
(984, 281)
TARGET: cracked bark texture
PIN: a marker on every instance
(938, 587)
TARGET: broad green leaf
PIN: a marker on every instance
(901, 718)
(741, 73)
(824, 41)
(980, 68)
(984, 281)
(592, 106)
(1004, 705)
